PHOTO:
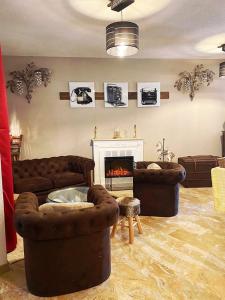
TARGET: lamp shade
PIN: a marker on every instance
(222, 70)
(122, 39)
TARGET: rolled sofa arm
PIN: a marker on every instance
(33, 224)
(168, 176)
(83, 165)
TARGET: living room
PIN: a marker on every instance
(181, 256)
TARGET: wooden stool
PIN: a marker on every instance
(129, 211)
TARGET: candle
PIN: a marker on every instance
(135, 131)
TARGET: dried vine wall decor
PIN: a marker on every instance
(192, 82)
(24, 82)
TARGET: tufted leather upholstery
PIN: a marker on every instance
(170, 173)
(66, 251)
(41, 176)
(33, 184)
(158, 190)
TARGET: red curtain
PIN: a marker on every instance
(7, 179)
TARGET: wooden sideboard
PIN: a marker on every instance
(223, 143)
(15, 142)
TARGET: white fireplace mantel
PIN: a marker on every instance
(114, 147)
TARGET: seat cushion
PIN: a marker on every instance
(66, 179)
(153, 166)
(32, 184)
(64, 207)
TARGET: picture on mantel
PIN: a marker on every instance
(148, 94)
(116, 94)
(82, 94)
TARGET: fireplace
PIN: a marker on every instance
(119, 172)
(114, 147)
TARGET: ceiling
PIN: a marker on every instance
(189, 29)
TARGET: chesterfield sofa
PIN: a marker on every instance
(42, 176)
(66, 251)
(158, 190)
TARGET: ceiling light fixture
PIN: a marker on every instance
(222, 65)
(122, 38)
(118, 5)
(223, 47)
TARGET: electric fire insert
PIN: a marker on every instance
(119, 172)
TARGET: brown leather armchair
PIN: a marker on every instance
(66, 251)
(158, 190)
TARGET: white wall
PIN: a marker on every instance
(51, 127)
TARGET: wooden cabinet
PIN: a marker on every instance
(223, 143)
(16, 142)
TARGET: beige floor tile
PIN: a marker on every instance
(175, 258)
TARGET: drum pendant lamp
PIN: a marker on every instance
(122, 38)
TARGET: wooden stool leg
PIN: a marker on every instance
(131, 230)
(113, 230)
(123, 223)
(140, 230)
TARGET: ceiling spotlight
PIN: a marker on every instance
(223, 47)
(122, 38)
(118, 5)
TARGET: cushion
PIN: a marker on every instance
(67, 178)
(153, 166)
(62, 207)
(32, 184)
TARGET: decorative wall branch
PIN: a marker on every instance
(164, 154)
(192, 82)
(24, 82)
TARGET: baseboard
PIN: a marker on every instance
(4, 268)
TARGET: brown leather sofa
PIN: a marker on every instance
(158, 190)
(69, 251)
(41, 176)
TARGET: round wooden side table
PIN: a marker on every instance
(129, 213)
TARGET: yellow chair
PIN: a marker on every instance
(218, 184)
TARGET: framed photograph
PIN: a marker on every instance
(116, 94)
(148, 94)
(82, 94)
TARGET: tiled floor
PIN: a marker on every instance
(176, 258)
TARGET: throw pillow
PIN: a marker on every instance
(61, 207)
(153, 166)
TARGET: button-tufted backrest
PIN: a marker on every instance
(162, 164)
(41, 167)
(170, 173)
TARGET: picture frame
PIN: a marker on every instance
(148, 94)
(116, 94)
(82, 94)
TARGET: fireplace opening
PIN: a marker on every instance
(117, 169)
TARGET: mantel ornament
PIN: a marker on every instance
(24, 82)
(192, 82)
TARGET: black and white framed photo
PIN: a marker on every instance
(116, 94)
(148, 94)
(82, 94)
